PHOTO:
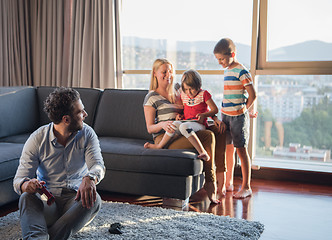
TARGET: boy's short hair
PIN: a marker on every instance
(225, 46)
(60, 103)
(192, 79)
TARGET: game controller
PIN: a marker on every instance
(115, 228)
(50, 197)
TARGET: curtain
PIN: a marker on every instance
(65, 43)
(92, 53)
(15, 58)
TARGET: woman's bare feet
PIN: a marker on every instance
(230, 188)
(243, 193)
(151, 145)
(221, 183)
(210, 188)
(204, 156)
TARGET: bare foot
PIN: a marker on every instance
(210, 188)
(222, 192)
(243, 193)
(230, 188)
(151, 145)
(204, 156)
(221, 183)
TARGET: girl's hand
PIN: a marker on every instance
(179, 117)
(168, 126)
(200, 117)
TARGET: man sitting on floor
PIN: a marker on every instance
(65, 157)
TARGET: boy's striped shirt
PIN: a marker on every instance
(235, 95)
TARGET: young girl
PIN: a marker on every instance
(196, 103)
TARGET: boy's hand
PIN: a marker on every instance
(253, 115)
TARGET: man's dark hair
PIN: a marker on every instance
(60, 103)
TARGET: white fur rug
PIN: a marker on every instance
(151, 223)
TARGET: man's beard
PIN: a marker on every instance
(74, 125)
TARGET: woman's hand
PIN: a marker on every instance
(168, 126)
(221, 125)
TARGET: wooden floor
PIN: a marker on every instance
(288, 210)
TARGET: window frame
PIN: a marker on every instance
(265, 67)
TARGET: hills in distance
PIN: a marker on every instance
(314, 50)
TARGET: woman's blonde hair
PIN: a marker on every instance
(154, 82)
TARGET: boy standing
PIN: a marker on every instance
(239, 95)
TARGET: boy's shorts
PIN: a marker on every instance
(237, 132)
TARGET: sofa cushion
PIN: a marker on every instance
(19, 112)
(90, 98)
(120, 114)
(124, 154)
(20, 138)
(9, 159)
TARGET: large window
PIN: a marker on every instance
(287, 45)
(301, 32)
(185, 32)
(294, 85)
(294, 128)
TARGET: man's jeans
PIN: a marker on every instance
(62, 219)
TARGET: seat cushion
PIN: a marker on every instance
(9, 159)
(129, 155)
(20, 138)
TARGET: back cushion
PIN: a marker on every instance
(19, 112)
(89, 96)
(120, 114)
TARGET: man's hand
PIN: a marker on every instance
(87, 192)
(32, 186)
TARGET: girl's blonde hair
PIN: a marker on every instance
(154, 82)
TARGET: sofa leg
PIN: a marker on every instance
(175, 203)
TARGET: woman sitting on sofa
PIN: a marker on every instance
(162, 105)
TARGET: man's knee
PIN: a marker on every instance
(97, 204)
(28, 198)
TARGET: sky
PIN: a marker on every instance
(211, 20)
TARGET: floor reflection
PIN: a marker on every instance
(229, 206)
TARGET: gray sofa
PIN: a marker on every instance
(118, 119)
